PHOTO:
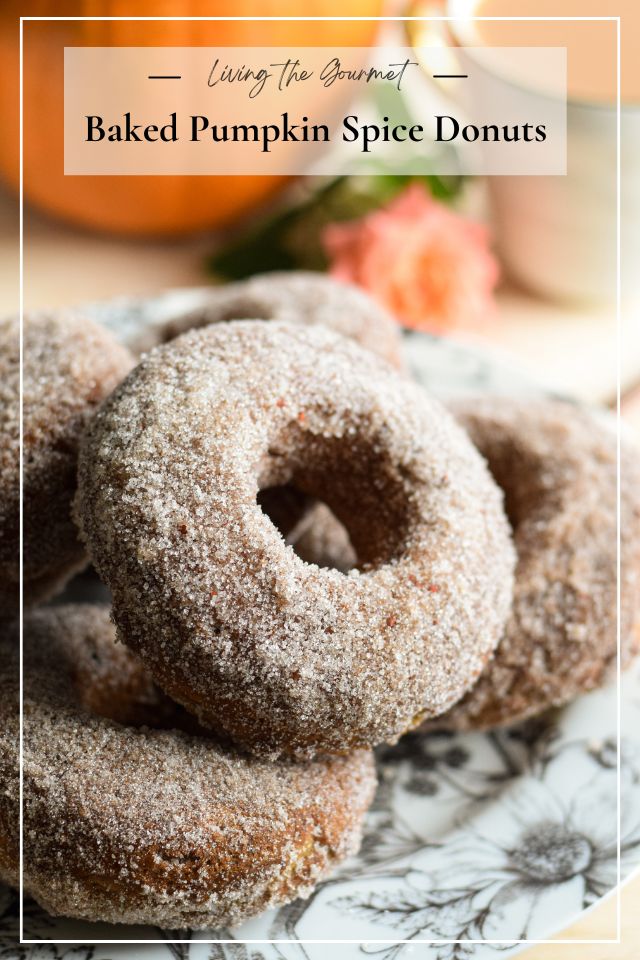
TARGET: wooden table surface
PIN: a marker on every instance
(570, 350)
(599, 924)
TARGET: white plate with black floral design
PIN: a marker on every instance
(490, 838)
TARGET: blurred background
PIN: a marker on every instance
(522, 267)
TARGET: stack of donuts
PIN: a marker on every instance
(307, 556)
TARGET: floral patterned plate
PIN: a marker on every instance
(496, 838)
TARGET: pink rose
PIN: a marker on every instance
(429, 266)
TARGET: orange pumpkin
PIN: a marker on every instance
(141, 205)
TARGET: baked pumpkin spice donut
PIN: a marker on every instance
(283, 657)
(557, 465)
(70, 365)
(131, 823)
(300, 297)
(9, 752)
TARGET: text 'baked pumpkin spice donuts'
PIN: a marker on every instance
(131, 824)
(557, 465)
(284, 657)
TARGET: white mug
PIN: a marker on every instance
(557, 235)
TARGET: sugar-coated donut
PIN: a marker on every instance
(131, 824)
(9, 752)
(557, 465)
(284, 657)
(70, 365)
(301, 297)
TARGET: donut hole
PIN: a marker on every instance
(242, 308)
(316, 536)
(364, 494)
(285, 506)
(520, 475)
(128, 695)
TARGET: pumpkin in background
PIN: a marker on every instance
(154, 205)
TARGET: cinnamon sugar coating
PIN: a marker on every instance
(140, 824)
(70, 365)
(299, 297)
(282, 656)
(9, 749)
(557, 466)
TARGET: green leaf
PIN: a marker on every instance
(291, 239)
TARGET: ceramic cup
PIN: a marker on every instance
(556, 235)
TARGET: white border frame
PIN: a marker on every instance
(506, 943)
